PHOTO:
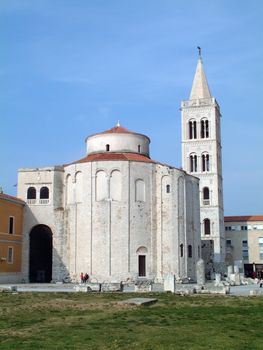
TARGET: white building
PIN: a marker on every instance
(201, 156)
(244, 243)
(115, 214)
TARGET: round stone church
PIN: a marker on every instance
(115, 214)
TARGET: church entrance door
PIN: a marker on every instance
(142, 265)
(40, 261)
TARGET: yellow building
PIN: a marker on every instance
(244, 243)
(11, 228)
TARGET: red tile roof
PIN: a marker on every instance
(115, 156)
(118, 130)
(7, 197)
(244, 218)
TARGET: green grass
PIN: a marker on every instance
(99, 321)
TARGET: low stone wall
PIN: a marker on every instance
(15, 277)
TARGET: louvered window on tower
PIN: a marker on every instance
(192, 129)
(206, 196)
(207, 227)
(205, 162)
(204, 129)
(193, 163)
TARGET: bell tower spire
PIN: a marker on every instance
(200, 88)
(201, 156)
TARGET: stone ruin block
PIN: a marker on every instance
(111, 287)
(169, 283)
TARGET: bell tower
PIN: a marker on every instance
(201, 156)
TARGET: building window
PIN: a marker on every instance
(206, 195)
(193, 163)
(245, 254)
(168, 188)
(44, 195)
(205, 162)
(11, 225)
(228, 242)
(192, 129)
(204, 129)
(139, 148)
(31, 193)
(236, 228)
(10, 255)
(190, 251)
(244, 250)
(107, 148)
(244, 243)
(181, 250)
(142, 265)
(244, 228)
(207, 229)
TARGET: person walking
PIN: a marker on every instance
(81, 277)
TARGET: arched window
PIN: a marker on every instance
(115, 185)
(139, 148)
(69, 194)
(181, 250)
(192, 129)
(44, 193)
(207, 228)
(206, 196)
(205, 162)
(204, 128)
(107, 148)
(168, 188)
(31, 193)
(79, 186)
(139, 191)
(101, 186)
(190, 251)
(193, 163)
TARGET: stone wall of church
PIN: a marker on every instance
(106, 216)
(48, 212)
(113, 222)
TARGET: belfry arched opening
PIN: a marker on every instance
(40, 266)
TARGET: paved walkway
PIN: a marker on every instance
(68, 287)
(245, 290)
(41, 287)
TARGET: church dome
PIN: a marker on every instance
(118, 140)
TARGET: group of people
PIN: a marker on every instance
(84, 277)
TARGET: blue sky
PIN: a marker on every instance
(72, 68)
